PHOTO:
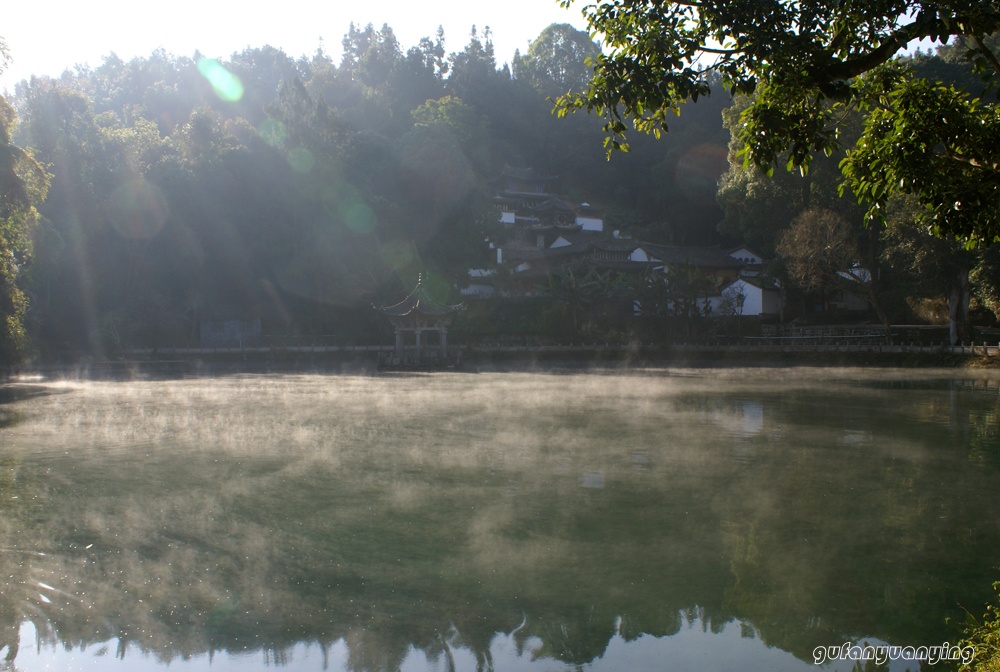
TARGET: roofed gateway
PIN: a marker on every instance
(420, 313)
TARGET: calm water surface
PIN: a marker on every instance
(668, 519)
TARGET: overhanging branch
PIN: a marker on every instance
(988, 54)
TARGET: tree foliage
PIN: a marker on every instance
(558, 60)
(934, 142)
(930, 266)
(806, 65)
(23, 183)
(983, 636)
(758, 207)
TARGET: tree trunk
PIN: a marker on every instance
(958, 308)
(881, 314)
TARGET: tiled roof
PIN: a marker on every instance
(699, 257)
(552, 205)
(544, 268)
(754, 282)
(616, 244)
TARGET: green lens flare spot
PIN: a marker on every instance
(358, 217)
(399, 255)
(227, 86)
(272, 132)
(301, 159)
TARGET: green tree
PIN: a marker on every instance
(262, 71)
(930, 266)
(558, 60)
(807, 64)
(72, 254)
(985, 278)
(473, 72)
(573, 296)
(935, 142)
(687, 287)
(454, 116)
(583, 301)
(448, 205)
(384, 82)
(23, 183)
(759, 207)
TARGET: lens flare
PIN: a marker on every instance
(356, 214)
(698, 171)
(272, 132)
(301, 159)
(343, 202)
(400, 255)
(138, 209)
(227, 86)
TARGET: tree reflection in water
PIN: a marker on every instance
(446, 518)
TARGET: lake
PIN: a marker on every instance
(726, 519)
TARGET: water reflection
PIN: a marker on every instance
(692, 647)
(481, 522)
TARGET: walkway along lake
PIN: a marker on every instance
(728, 519)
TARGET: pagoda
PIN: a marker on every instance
(420, 314)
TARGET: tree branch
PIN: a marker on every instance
(988, 54)
(852, 67)
(990, 166)
(924, 26)
(721, 52)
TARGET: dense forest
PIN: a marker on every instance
(303, 190)
(171, 190)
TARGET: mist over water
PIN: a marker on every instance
(733, 519)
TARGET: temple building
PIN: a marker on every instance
(428, 320)
(544, 236)
(533, 215)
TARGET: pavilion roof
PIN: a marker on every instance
(419, 302)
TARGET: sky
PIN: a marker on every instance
(45, 37)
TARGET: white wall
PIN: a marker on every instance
(756, 301)
(638, 254)
(746, 256)
(477, 290)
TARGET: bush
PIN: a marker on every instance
(984, 637)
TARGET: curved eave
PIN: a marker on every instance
(419, 304)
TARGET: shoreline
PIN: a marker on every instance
(578, 358)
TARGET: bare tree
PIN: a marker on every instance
(821, 252)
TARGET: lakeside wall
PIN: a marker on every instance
(764, 346)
